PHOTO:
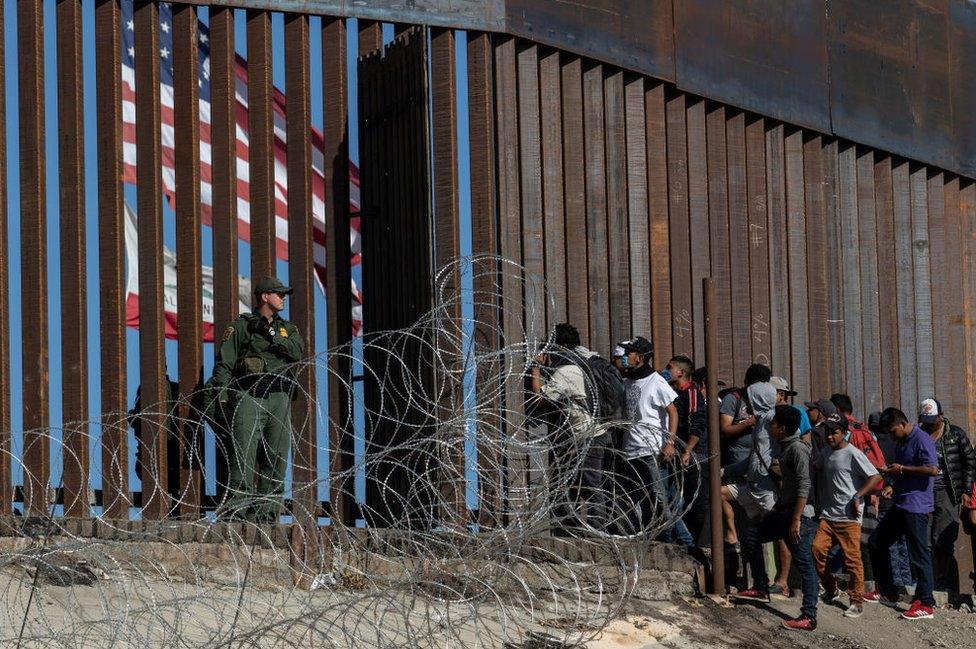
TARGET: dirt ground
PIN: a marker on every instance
(703, 623)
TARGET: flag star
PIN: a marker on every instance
(165, 27)
(164, 52)
(132, 52)
(203, 38)
(130, 26)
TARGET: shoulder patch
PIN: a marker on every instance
(283, 332)
(228, 332)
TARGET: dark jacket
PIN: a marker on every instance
(957, 461)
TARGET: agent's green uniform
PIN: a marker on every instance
(254, 385)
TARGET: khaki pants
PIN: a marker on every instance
(848, 536)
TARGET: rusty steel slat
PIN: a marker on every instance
(530, 179)
(770, 57)
(484, 240)
(74, 273)
(596, 207)
(699, 260)
(370, 36)
(533, 234)
(921, 285)
(942, 287)
(655, 114)
(447, 248)
(550, 108)
(637, 205)
(967, 221)
(617, 218)
(186, 122)
(335, 135)
(683, 332)
(223, 166)
(152, 362)
(797, 263)
(889, 77)
(902, 265)
(758, 240)
(6, 483)
(574, 183)
(33, 255)
(779, 268)
(867, 232)
(741, 296)
(298, 128)
(718, 226)
(609, 25)
(849, 253)
(510, 240)
(816, 253)
(837, 378)
(887, 286)
(223, 142)
(111, 261)
(261, 162)
(447, 243)
(952, 317)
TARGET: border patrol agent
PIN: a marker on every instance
(254, 388)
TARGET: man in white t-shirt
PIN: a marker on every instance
(649, 444)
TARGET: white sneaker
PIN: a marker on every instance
(854, 610)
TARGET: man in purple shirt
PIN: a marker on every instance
(909, 476)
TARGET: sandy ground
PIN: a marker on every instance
(705, 624)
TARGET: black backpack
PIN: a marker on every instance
(605, 387)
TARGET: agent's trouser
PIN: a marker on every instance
(261, 438)
(846, 534)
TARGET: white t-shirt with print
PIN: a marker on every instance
(647, 402)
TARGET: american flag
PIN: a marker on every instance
(243, 185)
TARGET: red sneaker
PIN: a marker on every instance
(753, 594)
(918, 611)
(802, 623)
(877, 597)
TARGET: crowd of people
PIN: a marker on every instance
(882, 501)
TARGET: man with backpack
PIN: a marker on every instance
(693, 433)
(587, 391)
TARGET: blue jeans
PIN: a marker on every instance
(901, 569)
(648, 487)
(774, 527)
(915, 527)
(679, 532)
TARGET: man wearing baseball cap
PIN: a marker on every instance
(649, 443)
(952, 489)
(253, 382)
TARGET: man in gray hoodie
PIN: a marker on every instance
(793, 520)
(748, 481)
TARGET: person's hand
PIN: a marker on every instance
(856, 506)
(795, 529)
(750, 421)
(542, 359)
(893, 469)
(887, 492)
(686, 458)
(668, 452)
(966, 501)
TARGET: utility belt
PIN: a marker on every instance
(263, 385)
(251, 376)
